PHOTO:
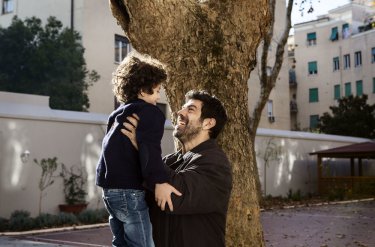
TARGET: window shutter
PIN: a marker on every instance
(337, 92)
(334, 34)
(311, 36)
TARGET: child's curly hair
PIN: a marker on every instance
(135, 73)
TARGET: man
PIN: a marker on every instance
(201, 172)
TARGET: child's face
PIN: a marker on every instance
(151, 98)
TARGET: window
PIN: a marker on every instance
(314, 120)
(359, 87)
(7, 6)
(292, 76)
(373, 55)
(270, 115)
(347, 61)
(337, 93)
(311, 39)
(334, 34)
(336, 63)
(122, 48)
(270, 108)
(357, 59)
(313, 95)
(348, 89)
(345, 31)
(313, 68)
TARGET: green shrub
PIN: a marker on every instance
(3, 224)
(336, 194)
(294, 196)
(67, 219)
(103, 214)
(20, 214)
(46, 221)
(90, 216)
(20, 221)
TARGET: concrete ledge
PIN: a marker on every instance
(57, 229)
(320, 204)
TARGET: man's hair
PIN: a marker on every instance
(211, 108)
(135, 73)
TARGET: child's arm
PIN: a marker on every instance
(149, 132)
(163, 191)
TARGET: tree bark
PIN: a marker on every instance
(209, 45)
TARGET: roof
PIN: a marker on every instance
(357, 150)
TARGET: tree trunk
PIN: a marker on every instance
(209, 45)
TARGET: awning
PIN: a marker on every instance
(358, 150)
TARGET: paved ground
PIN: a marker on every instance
(340, 225)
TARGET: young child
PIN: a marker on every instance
(123, 171)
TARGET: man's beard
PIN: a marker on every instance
(188, 133)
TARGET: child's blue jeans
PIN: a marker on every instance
(128, 217)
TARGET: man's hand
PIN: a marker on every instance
(129, 130)
(163, 195)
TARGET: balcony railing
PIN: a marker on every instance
(293, 107)
(366, 27)
(351, 185)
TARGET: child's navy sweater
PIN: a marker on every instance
(120, 165)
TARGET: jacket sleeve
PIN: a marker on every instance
(149, 133)
(205, 188)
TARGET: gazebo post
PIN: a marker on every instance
(352, 167)
(360, 167)
(320, 174)
(352, 174)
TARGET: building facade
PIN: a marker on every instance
(334, 57)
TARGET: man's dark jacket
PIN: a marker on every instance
(120, 165)
(203, 176)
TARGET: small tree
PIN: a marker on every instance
(271, 152)
(352, 117)
(45, 61)
(48, 166)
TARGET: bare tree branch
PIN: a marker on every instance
(268, 79)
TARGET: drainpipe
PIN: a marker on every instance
(341, 65)
(72, 15)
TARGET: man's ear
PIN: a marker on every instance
(208, 123)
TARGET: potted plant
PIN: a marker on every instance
(74, 180)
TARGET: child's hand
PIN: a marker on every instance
(163, 195)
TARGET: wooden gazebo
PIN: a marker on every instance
(354, 182)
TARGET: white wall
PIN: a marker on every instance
(292, 167)
(28, 124)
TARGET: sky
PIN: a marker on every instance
(321, 7)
